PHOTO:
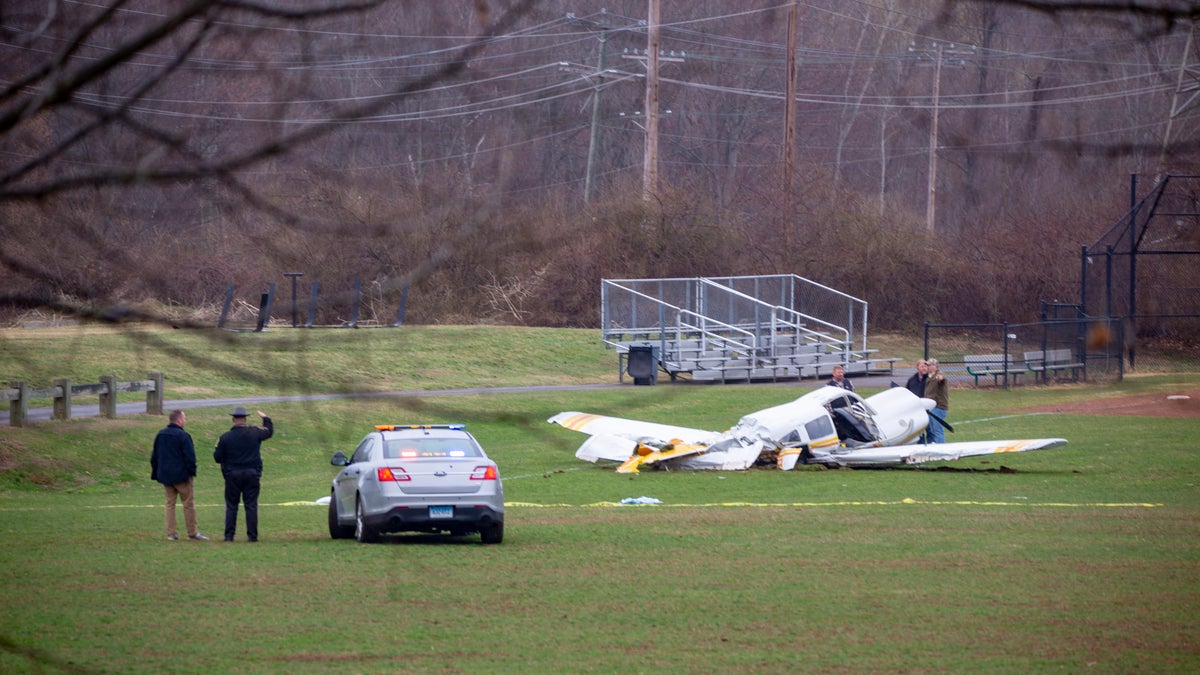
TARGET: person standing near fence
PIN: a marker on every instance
(938, 389)
(173, 463)
(238, 453)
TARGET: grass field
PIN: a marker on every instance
(1083, 558)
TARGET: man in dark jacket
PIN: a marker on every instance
(839, 379)
(241, 464)
(173, 463)
(916, 384)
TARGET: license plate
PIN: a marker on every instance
(441, 512)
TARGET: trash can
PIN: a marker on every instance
(642, 364)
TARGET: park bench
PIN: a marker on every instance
(1052, 361)
(872, 363)
(996, 365)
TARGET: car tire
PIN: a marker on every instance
(364, 533)
(492, 534)
(336, 529)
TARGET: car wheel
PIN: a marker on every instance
(336, 529)
(492, 534)
(364, 533)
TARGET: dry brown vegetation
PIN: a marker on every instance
(442, 147)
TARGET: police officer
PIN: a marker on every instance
(238, 454)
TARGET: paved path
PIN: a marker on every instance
(139, 407)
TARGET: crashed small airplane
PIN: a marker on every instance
(828, 426)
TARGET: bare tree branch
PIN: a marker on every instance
(62, 89)
(1169, 13)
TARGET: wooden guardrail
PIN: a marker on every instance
(62, 392)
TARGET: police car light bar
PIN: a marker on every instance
(399, 427)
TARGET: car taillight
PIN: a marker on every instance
(484, 473)
(387, 473)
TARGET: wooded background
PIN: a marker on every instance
(155, 151)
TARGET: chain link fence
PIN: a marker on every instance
(1008, 354)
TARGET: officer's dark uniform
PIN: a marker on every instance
(241, 464)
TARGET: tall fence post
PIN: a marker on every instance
(264, 308)
(294, 276)
(18, 410)
(108, 398)
(1005, 356)
(403, 304)
(225, 307)
(312, 305)
(62, 403)
(357, 299)
(154, 397)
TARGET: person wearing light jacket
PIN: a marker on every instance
(937, 387)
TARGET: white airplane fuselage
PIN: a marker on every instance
(828, 425)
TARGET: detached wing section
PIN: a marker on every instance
(935, 452)
(634, 430)
(616, 439)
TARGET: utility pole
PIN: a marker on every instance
(594, 136)
(938, 51)
(651, 59)
(650, 161)
(789, 114)
(930, 208)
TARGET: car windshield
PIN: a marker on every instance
(418, 448)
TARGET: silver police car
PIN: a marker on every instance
(432, 478)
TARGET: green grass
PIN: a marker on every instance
(207, 364)
(1083, 558)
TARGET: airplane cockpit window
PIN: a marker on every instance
(819, 428)
(850, 428)
(840, 402)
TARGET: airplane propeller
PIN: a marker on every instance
(942, 422)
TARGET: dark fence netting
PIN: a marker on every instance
(1164, 344)
(1146, 269)
(1138, 311)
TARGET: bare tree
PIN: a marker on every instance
(160, 151)
(110, 113)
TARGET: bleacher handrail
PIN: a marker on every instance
(797, 318)
(701, 327)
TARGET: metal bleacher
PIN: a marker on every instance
(729, 329)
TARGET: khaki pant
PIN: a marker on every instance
(186, 494)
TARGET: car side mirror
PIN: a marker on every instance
(339, 459)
